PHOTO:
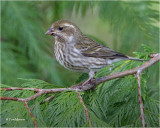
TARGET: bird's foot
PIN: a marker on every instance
(91, 75)
(110, 67)
(84, 83)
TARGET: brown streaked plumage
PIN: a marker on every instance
(77, 52)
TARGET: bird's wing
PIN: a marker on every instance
(90, 48)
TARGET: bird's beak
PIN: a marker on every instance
(51, 31)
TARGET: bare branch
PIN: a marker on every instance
(9, 98)
(85, 108)
(140, 98)
(28, 109)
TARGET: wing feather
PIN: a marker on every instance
(90, 48)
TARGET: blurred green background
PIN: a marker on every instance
(28, 53)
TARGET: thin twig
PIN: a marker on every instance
(140, 98)
(17, 88)
(35, 124)
(9, 98)
(43, 91)
(138, 118)
(85, 108)
(47, 99)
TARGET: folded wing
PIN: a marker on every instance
(90, 48)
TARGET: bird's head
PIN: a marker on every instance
(64, 30)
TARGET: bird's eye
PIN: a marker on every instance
(60, 28)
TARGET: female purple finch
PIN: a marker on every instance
(77, 52)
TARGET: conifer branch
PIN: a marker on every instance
(91, 84)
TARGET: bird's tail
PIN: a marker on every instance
(136, 59)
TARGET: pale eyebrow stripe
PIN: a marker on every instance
(70, 25)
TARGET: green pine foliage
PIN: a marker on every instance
(27, 61)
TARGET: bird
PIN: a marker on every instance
(77, 52)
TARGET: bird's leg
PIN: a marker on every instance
(110, 67)
(91, 75)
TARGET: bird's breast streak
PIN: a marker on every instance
(71, 58)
